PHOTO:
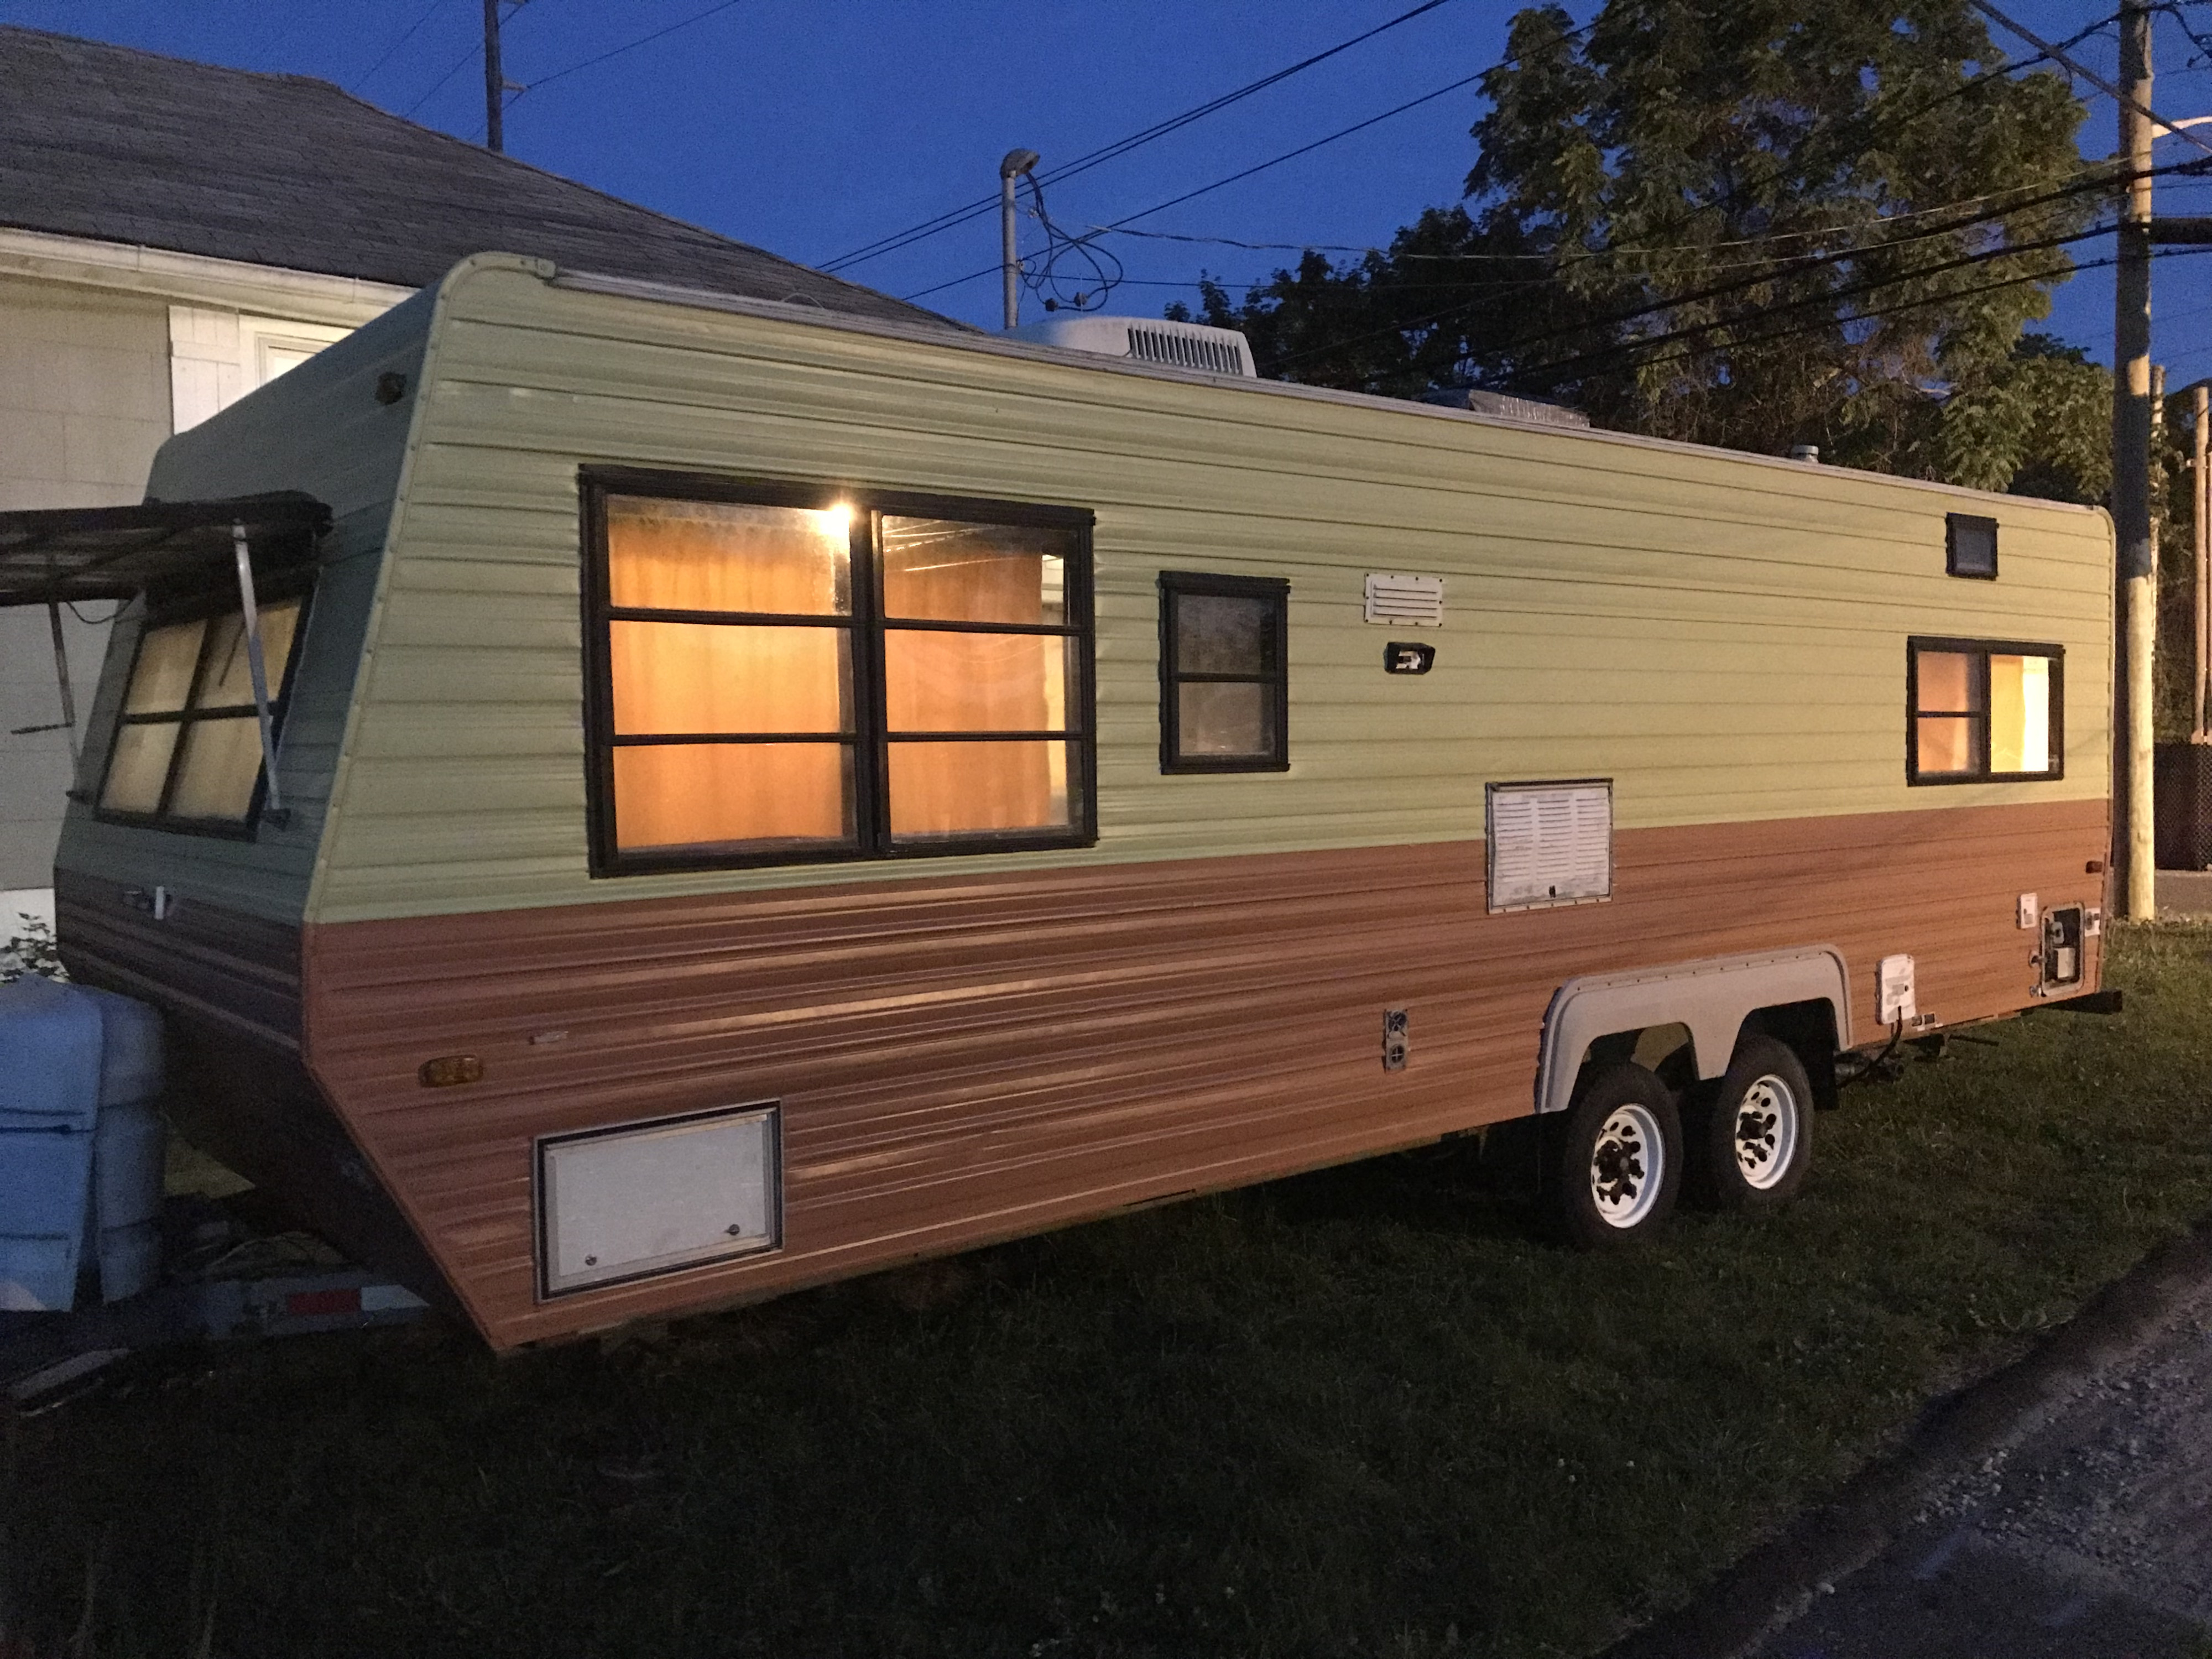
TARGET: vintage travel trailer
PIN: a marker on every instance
(760, 795)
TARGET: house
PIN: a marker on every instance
(174, 235)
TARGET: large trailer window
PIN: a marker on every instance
(1981, 710)
(784, 675)
(188, 750)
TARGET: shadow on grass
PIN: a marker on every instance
(1359, 1411)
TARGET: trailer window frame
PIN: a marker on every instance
(197, 604)
(1981, 651)
(872, 739)
(1175, 585)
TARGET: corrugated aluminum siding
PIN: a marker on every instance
(1722, 635)
(318, 429)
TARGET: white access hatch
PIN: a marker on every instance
(650, 1198)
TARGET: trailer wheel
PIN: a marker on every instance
(1752, 1138)
(1616, 1160)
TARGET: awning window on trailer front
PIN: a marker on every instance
(165, 550)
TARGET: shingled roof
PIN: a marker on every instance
(124, 146)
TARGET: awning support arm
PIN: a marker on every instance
(62, 679)
(272, 801)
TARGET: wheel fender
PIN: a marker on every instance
(1712, 997)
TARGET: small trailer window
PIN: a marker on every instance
(1224, 681)
(1982, 709)
(1970, 546)
(187, 752)
(833, 675)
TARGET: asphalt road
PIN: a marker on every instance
(2089, 1538)
(2061, 1510)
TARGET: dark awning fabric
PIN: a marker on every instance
(118, 552)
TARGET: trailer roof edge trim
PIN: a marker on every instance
(628, 287)
(62, 553)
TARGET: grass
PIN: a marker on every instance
(1359, 1413)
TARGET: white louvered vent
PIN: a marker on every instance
(1157, 345)
(1405, 601)
(1550, 843)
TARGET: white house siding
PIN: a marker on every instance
(84, 403)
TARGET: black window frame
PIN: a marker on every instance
(1174, 584)
(1952, 523)
(1982, 650)
(184, 607)
(872, 842)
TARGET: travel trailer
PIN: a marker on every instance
(632, 800)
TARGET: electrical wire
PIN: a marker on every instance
(1828, 297)
(1235, 177)
(437, 86)
(415, 28)
(1901, 306)
(2091, 179)
(1059, 291)
(1120, 147)
(642, 41)
(2057, 55)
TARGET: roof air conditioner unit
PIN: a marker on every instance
(1147, 340)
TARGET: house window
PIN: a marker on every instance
(187, 752)
(1224, 681)
(783, 675)
(1970, 546)
(1982, 710)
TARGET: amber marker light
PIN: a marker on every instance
(450, 1069)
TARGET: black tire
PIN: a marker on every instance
(1751, 1137)
(1602, 1189)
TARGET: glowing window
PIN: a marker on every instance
(839, 676)
(1982, 710)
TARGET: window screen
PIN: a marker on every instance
(848, 678)
(188, 750)
(1224, 684)
(1981, 709)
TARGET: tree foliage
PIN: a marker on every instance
(1748, 223)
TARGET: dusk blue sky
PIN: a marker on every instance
(812, 129)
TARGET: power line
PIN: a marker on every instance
(1234, 178)
(2058, 55)
(413, 29)
(2093, 180)
(439, 84)
(1826, 297)
(1876, 313)
(1120, 147)
(642, 41)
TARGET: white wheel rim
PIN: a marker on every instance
(1766, 1132)
(1628, 1165)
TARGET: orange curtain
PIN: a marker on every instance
(729, 677)
(942, 681)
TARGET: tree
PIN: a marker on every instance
(1748, 223)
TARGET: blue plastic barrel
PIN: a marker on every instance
(50, 1054)
(80, 1143)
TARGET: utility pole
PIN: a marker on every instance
(2200, 503)
(2135, 638)
(494, 82)
(1016, 163)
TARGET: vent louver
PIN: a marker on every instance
(1550, 843)
(1408, 601)
(1154, 345)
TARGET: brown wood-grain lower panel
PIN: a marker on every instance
(967, 1058)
